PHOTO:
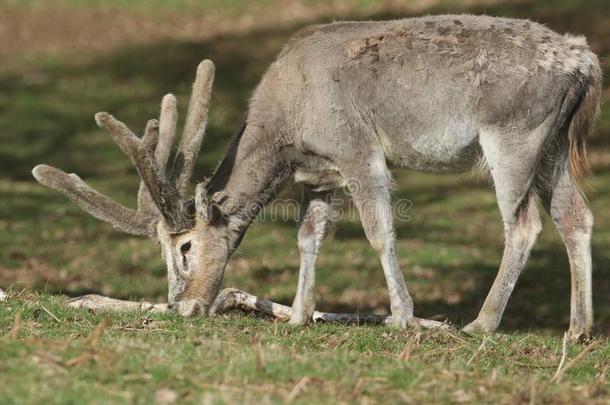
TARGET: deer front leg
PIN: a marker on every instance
(314, 223)
(371, 194)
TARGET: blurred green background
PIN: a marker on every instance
(64, 60)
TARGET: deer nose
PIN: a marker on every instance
(174, 297)
(190, 308)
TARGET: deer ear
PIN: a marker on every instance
(207, 206)
(227, 205)
(219, 197)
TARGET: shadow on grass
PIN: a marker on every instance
(540, 301)
(48, 118)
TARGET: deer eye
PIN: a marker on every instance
(184, 249)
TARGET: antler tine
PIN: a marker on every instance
(168, 119)
(141, 153)
(161, 190)
(95, 203)
(167, 132)
(121, 134)
(194, 129)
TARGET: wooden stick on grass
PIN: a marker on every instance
(231, 298)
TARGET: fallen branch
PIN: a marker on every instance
(231, 298)
(96, 302)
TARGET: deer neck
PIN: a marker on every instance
(252, 172)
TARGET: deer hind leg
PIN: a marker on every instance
(522, 225)
(574, 221)
(521, 232)
(314, 223)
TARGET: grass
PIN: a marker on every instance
(449, 252)
(139, 358)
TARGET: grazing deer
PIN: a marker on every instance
(342, 103)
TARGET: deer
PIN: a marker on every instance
(344, 103)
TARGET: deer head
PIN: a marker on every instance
(190, 230)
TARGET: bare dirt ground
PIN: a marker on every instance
(51, 30)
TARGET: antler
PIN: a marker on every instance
(158, 195)
(95, 203)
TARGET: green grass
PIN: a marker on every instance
(132, 358)
(449, 252)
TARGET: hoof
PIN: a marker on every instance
(190, 308)
(401, 322)
(580, 335)
(413, 322)
(302, 312)
(430, 324)
(477, 326)
(300, 319)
